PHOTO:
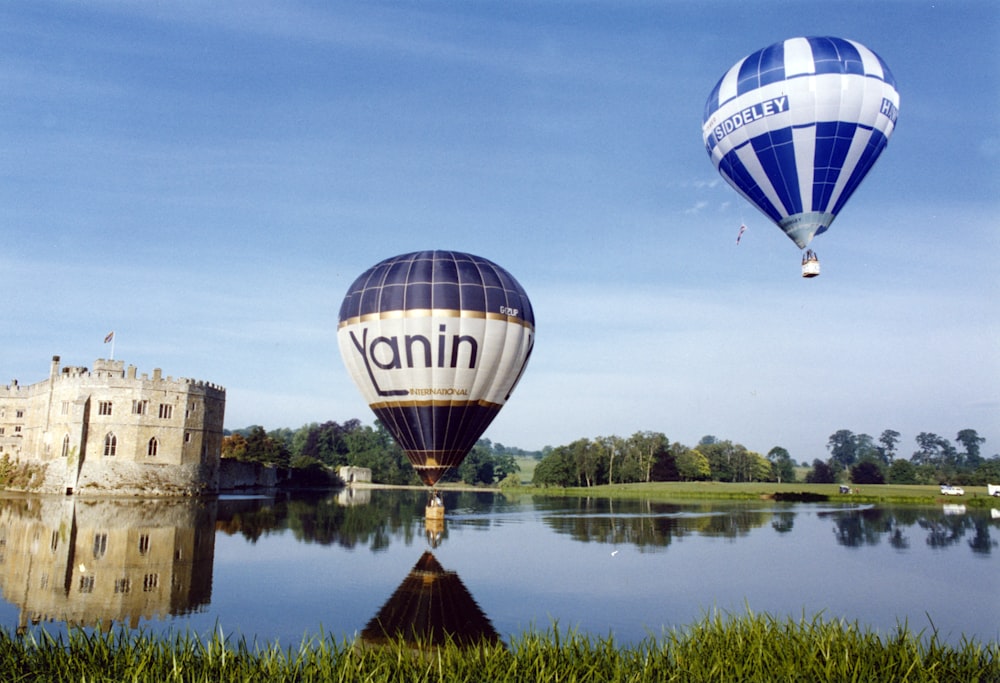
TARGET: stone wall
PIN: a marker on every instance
(235, 475)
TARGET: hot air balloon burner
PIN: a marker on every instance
(810, 264)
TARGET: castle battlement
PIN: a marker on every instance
(116, 370)
(109, 429)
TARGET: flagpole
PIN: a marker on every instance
(112, 347)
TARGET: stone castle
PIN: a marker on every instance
(110, 431)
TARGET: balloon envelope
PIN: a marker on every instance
(796, 126)
(436, 342)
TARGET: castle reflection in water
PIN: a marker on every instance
(95, 563)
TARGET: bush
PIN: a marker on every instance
(821, 473)
(867, 473)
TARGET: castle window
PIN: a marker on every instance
(65, 407)
(110, 444)
(166, 411)
(143, 544)
(187, 437)
(153, 445)
(123, 585)
(65, 446)
(19, 413)
(17, 429)
(86, 584)
(150, 582)
(2, 430)
(100, 545)
(140, 407)
(104, 408)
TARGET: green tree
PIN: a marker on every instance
(477, 467)
(260, 447)
(504, 466)
(843, 449)
(865, 449)
(611, 447)
(902, 471)
(888, 440)
(782, 465)
(759, 467)
(867, 472)
(691, 464)
(934, 450)
(587, 456)
(300, 437)
(971, 441)
(556, 468)
(644, 450)
(821, 473)
(721, 456)
(375, 449)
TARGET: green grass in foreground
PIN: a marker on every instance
(745, 648)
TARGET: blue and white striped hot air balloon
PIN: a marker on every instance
(436, 342)
(795, 127)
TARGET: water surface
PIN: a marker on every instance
(280, 568)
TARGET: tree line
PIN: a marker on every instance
(330, 445)
(645, 456)
(861, 459)
(853, 458)
(650, 456)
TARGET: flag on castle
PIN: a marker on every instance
(110, 337)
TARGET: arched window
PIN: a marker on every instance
(153, 445)
(110, 444)
(65, 448)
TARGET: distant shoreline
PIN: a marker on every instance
(916, 494)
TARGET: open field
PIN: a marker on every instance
(527, 466)
(975, 496)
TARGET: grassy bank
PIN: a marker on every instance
(747, 648)
(887, 493)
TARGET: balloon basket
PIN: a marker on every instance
(810, 264)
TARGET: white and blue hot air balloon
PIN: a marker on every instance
(795, 128)
(436, 342)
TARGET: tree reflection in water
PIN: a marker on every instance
(944, 527)
(652, 526)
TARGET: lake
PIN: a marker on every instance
(365, 562)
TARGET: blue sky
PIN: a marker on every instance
(207, 178)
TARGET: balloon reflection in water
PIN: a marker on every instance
(430, 608)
